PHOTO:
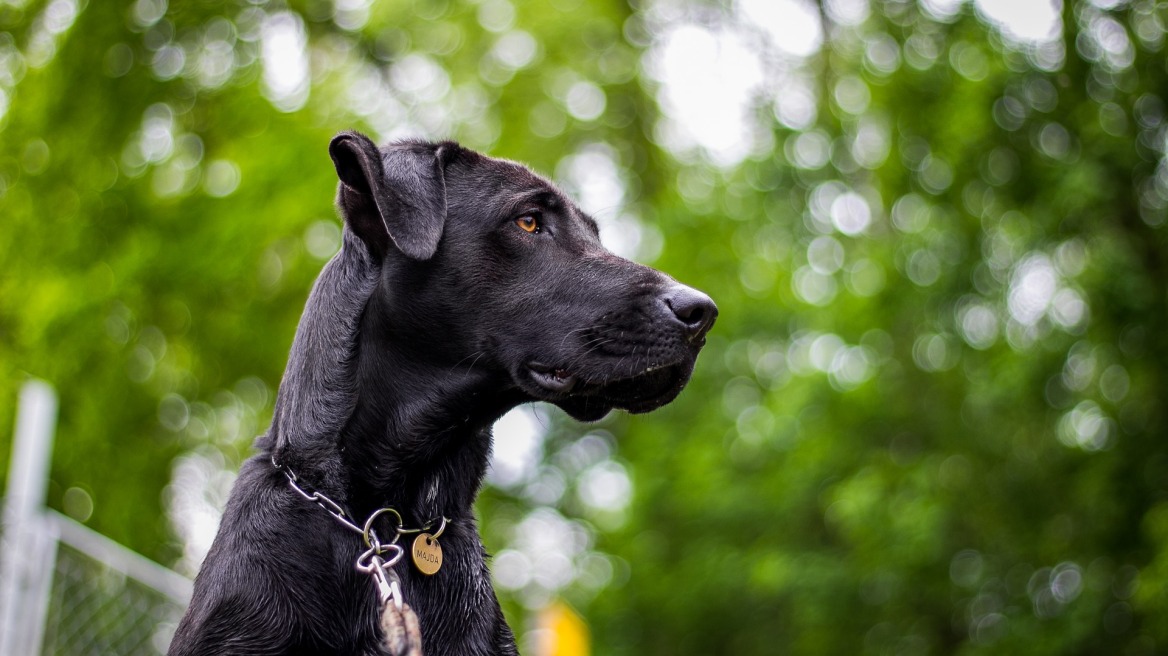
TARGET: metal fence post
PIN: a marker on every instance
(22, 561)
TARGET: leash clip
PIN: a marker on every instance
(388, 584)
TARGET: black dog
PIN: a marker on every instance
(465, 286)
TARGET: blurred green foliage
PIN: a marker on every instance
(930, 419)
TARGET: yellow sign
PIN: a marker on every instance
(562, 631)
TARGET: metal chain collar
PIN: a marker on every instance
(371, 561)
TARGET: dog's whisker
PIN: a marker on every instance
(598, 332)
(581, 356)
(476, 361)
(569, 334)
(476, 357)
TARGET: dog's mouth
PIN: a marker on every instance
(556, 381)
(592, 397)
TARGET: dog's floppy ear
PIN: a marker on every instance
(397, 196)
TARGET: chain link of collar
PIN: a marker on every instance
(367, 532)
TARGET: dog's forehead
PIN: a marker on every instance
(497, 181)
(517, 172)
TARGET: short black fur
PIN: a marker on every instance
(443, 310)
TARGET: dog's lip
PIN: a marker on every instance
(664, 381)
(648, 390)
(552, 379)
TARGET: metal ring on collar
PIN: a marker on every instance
(425, 528)
(368, 530)
(366, 563)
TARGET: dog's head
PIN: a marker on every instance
(488, 265)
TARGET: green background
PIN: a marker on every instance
(943, 433)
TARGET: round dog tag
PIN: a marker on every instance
(427, 553)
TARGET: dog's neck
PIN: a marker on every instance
(419, 438)
(407, 420)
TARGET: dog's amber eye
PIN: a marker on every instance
(528, 222)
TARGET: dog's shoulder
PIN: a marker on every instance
(265, 568)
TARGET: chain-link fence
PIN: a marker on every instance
(94, 609)
(99, 599)
(64, 588)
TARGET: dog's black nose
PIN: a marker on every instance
(694, 309)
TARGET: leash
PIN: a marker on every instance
(399, 623)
